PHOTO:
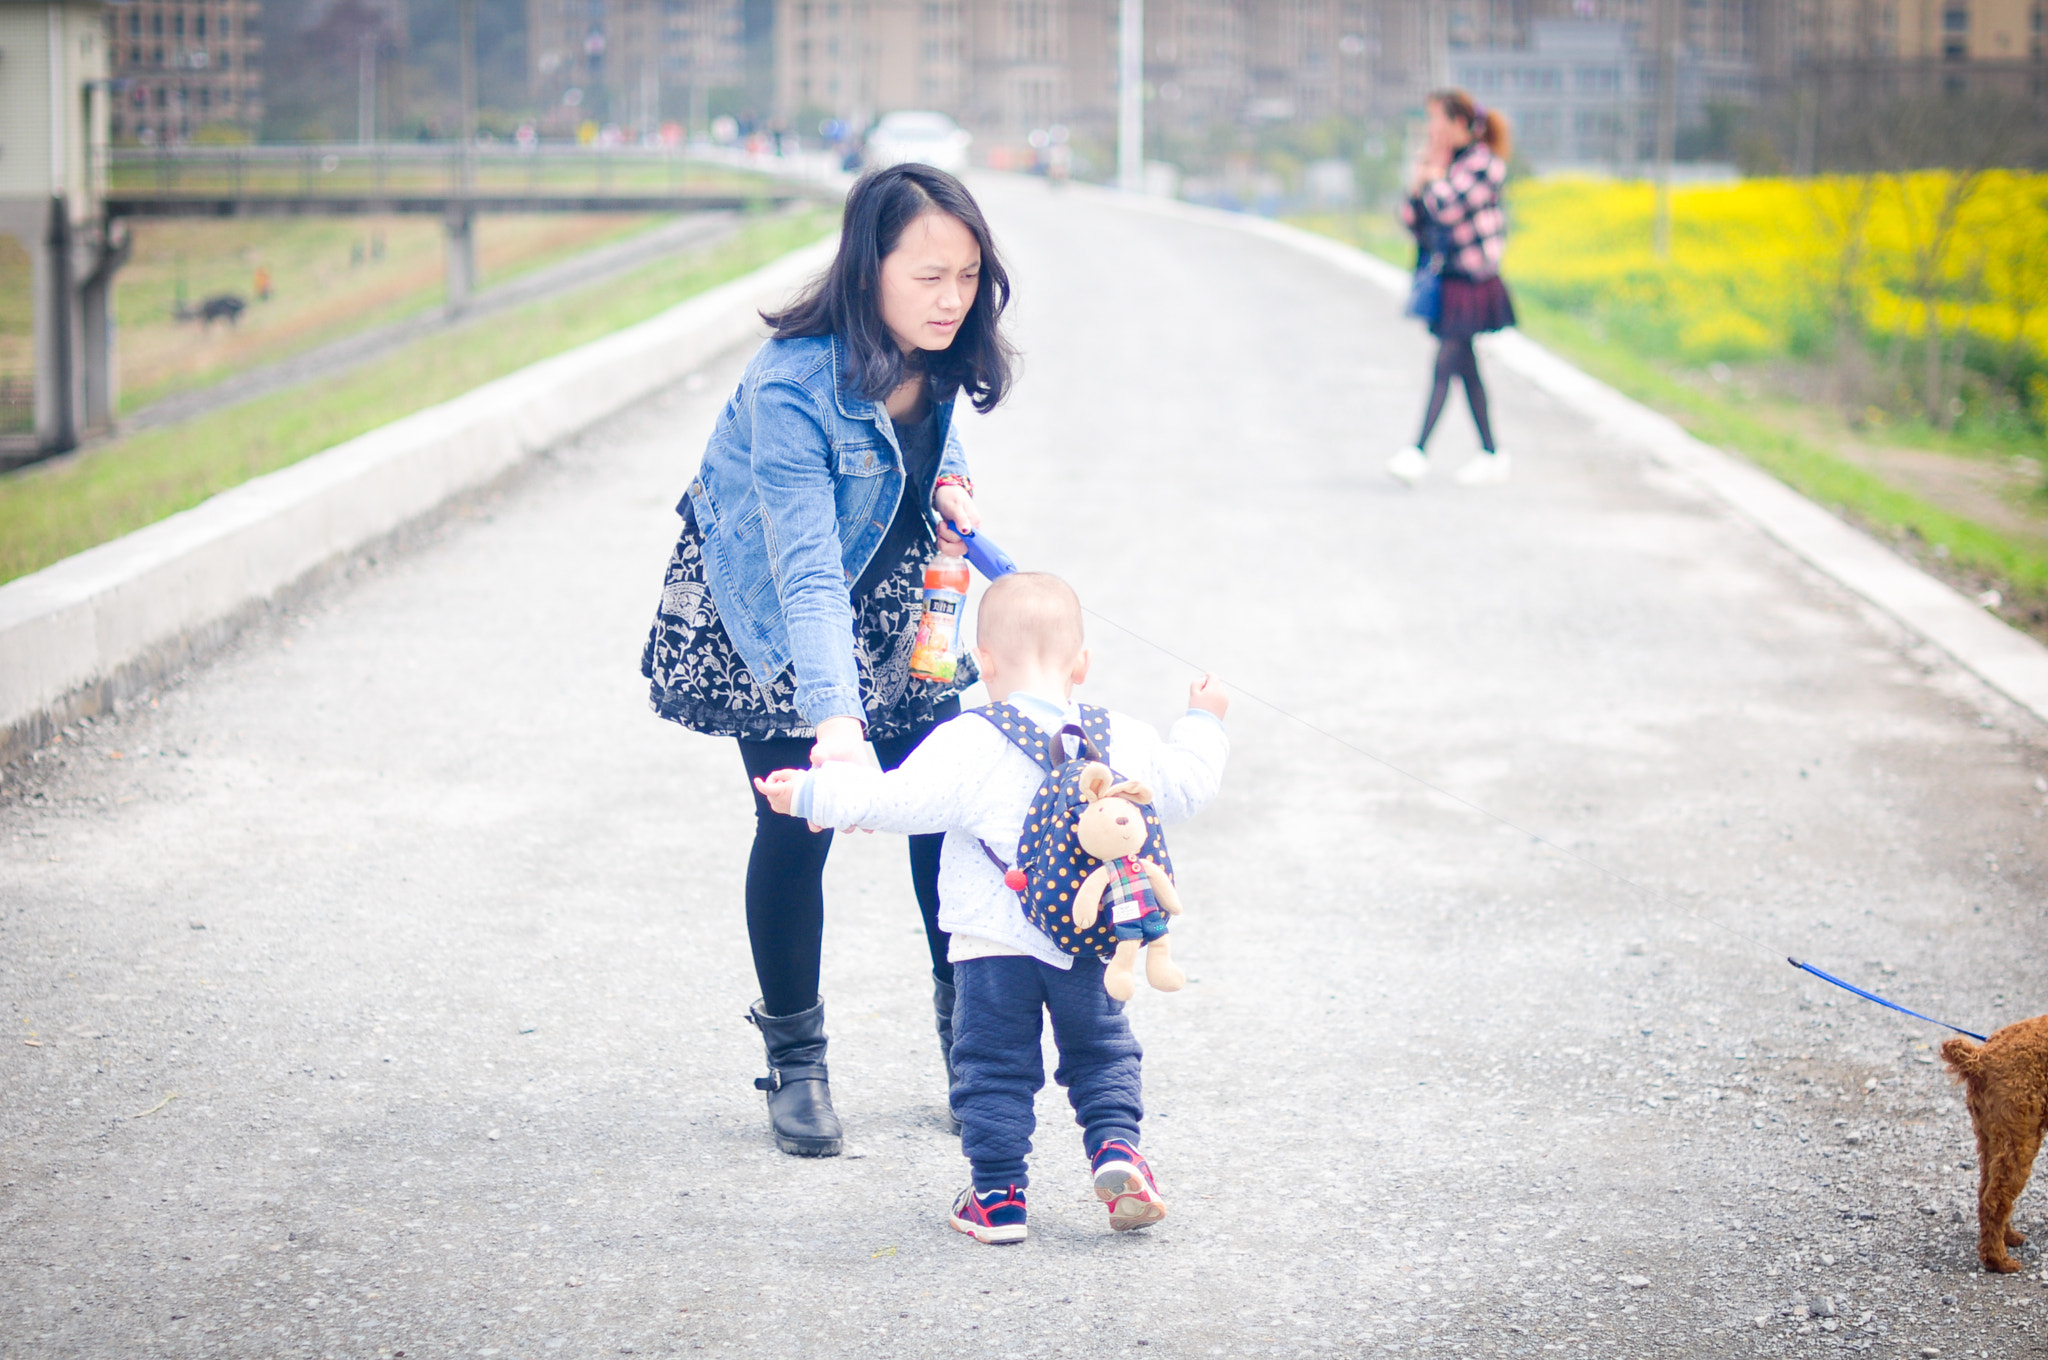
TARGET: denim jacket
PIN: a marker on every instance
(798, 486)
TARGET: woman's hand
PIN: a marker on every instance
(838, 739)
(953, 503)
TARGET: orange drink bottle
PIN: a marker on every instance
(935, 655)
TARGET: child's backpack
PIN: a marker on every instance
(1050, 860)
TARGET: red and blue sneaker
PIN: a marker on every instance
(992, 1217)
(1124, 1182)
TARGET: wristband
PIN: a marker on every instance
(954, 479)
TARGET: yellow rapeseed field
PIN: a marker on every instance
(1763, 266)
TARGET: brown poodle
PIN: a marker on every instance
(2007, 1077)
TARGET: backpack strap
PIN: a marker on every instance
(1024, 734)
(1095, 726)
(1092, 734)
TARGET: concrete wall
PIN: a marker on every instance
(25, 106)
(79, 635)
(24, 102)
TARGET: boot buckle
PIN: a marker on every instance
(772, 1082)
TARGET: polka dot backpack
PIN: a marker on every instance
(1050, 861)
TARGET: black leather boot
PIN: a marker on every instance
(942, 1007)
(799, 1092)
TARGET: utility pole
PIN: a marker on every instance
(468, 95)
(460, 224)
(366, 89)
(1436, 35)
(650, 96)
(1667, 118)
(1130, 98)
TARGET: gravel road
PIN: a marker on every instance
(376, 989)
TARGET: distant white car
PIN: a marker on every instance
(913, 135)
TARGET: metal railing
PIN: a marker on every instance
(354, 168)
(17, 403)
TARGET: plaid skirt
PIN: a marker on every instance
(1471, 306)
(697, 677)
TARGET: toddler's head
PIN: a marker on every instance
(1028, 634)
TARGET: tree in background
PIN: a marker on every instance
(1841, 206)
(2019, 271)
(1923, 153)
(1932, 154)
(434, 70)
(313, 67)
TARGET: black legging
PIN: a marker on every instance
(1455, 359)
(785, 877)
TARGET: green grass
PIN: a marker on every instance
(327, 283)
(17, 297)
(1800, 463)
(53, 510)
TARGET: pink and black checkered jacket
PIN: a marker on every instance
(1463, 208)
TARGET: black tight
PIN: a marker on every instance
(785, 878)
(1455, 359)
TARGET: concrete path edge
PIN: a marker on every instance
(93, 628)
(2003, 657)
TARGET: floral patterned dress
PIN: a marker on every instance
(699, 679)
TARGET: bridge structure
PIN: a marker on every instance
(455, 181)
(76, 387)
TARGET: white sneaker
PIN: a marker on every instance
(1487, 467)
(1409, 466)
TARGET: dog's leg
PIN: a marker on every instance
(2026, 1147)
(2007, 1141)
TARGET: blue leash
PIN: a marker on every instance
(1873, 996)
(993, 562)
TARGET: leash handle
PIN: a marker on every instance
(1873, 996)
(990, 560)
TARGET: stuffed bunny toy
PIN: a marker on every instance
(1137, 892)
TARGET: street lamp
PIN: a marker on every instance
(1130, 97)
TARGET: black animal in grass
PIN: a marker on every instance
(220, 307)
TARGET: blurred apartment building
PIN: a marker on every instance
(1578, 76)
(1910, 46)
(1003, 68)
(1579, 80)
(181, 65)
(1805, 33)
(639, 63)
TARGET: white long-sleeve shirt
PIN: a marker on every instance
(967, 780)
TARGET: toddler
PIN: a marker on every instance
(967, 780)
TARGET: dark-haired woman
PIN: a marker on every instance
(1453, 208)
(793, 597)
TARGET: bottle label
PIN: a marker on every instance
(932, 656)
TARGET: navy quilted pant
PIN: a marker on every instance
(997, 1069)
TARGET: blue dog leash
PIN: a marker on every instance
(993, 562)
(1873, 996)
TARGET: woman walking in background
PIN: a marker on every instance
(793, 597)
(1453, 208)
